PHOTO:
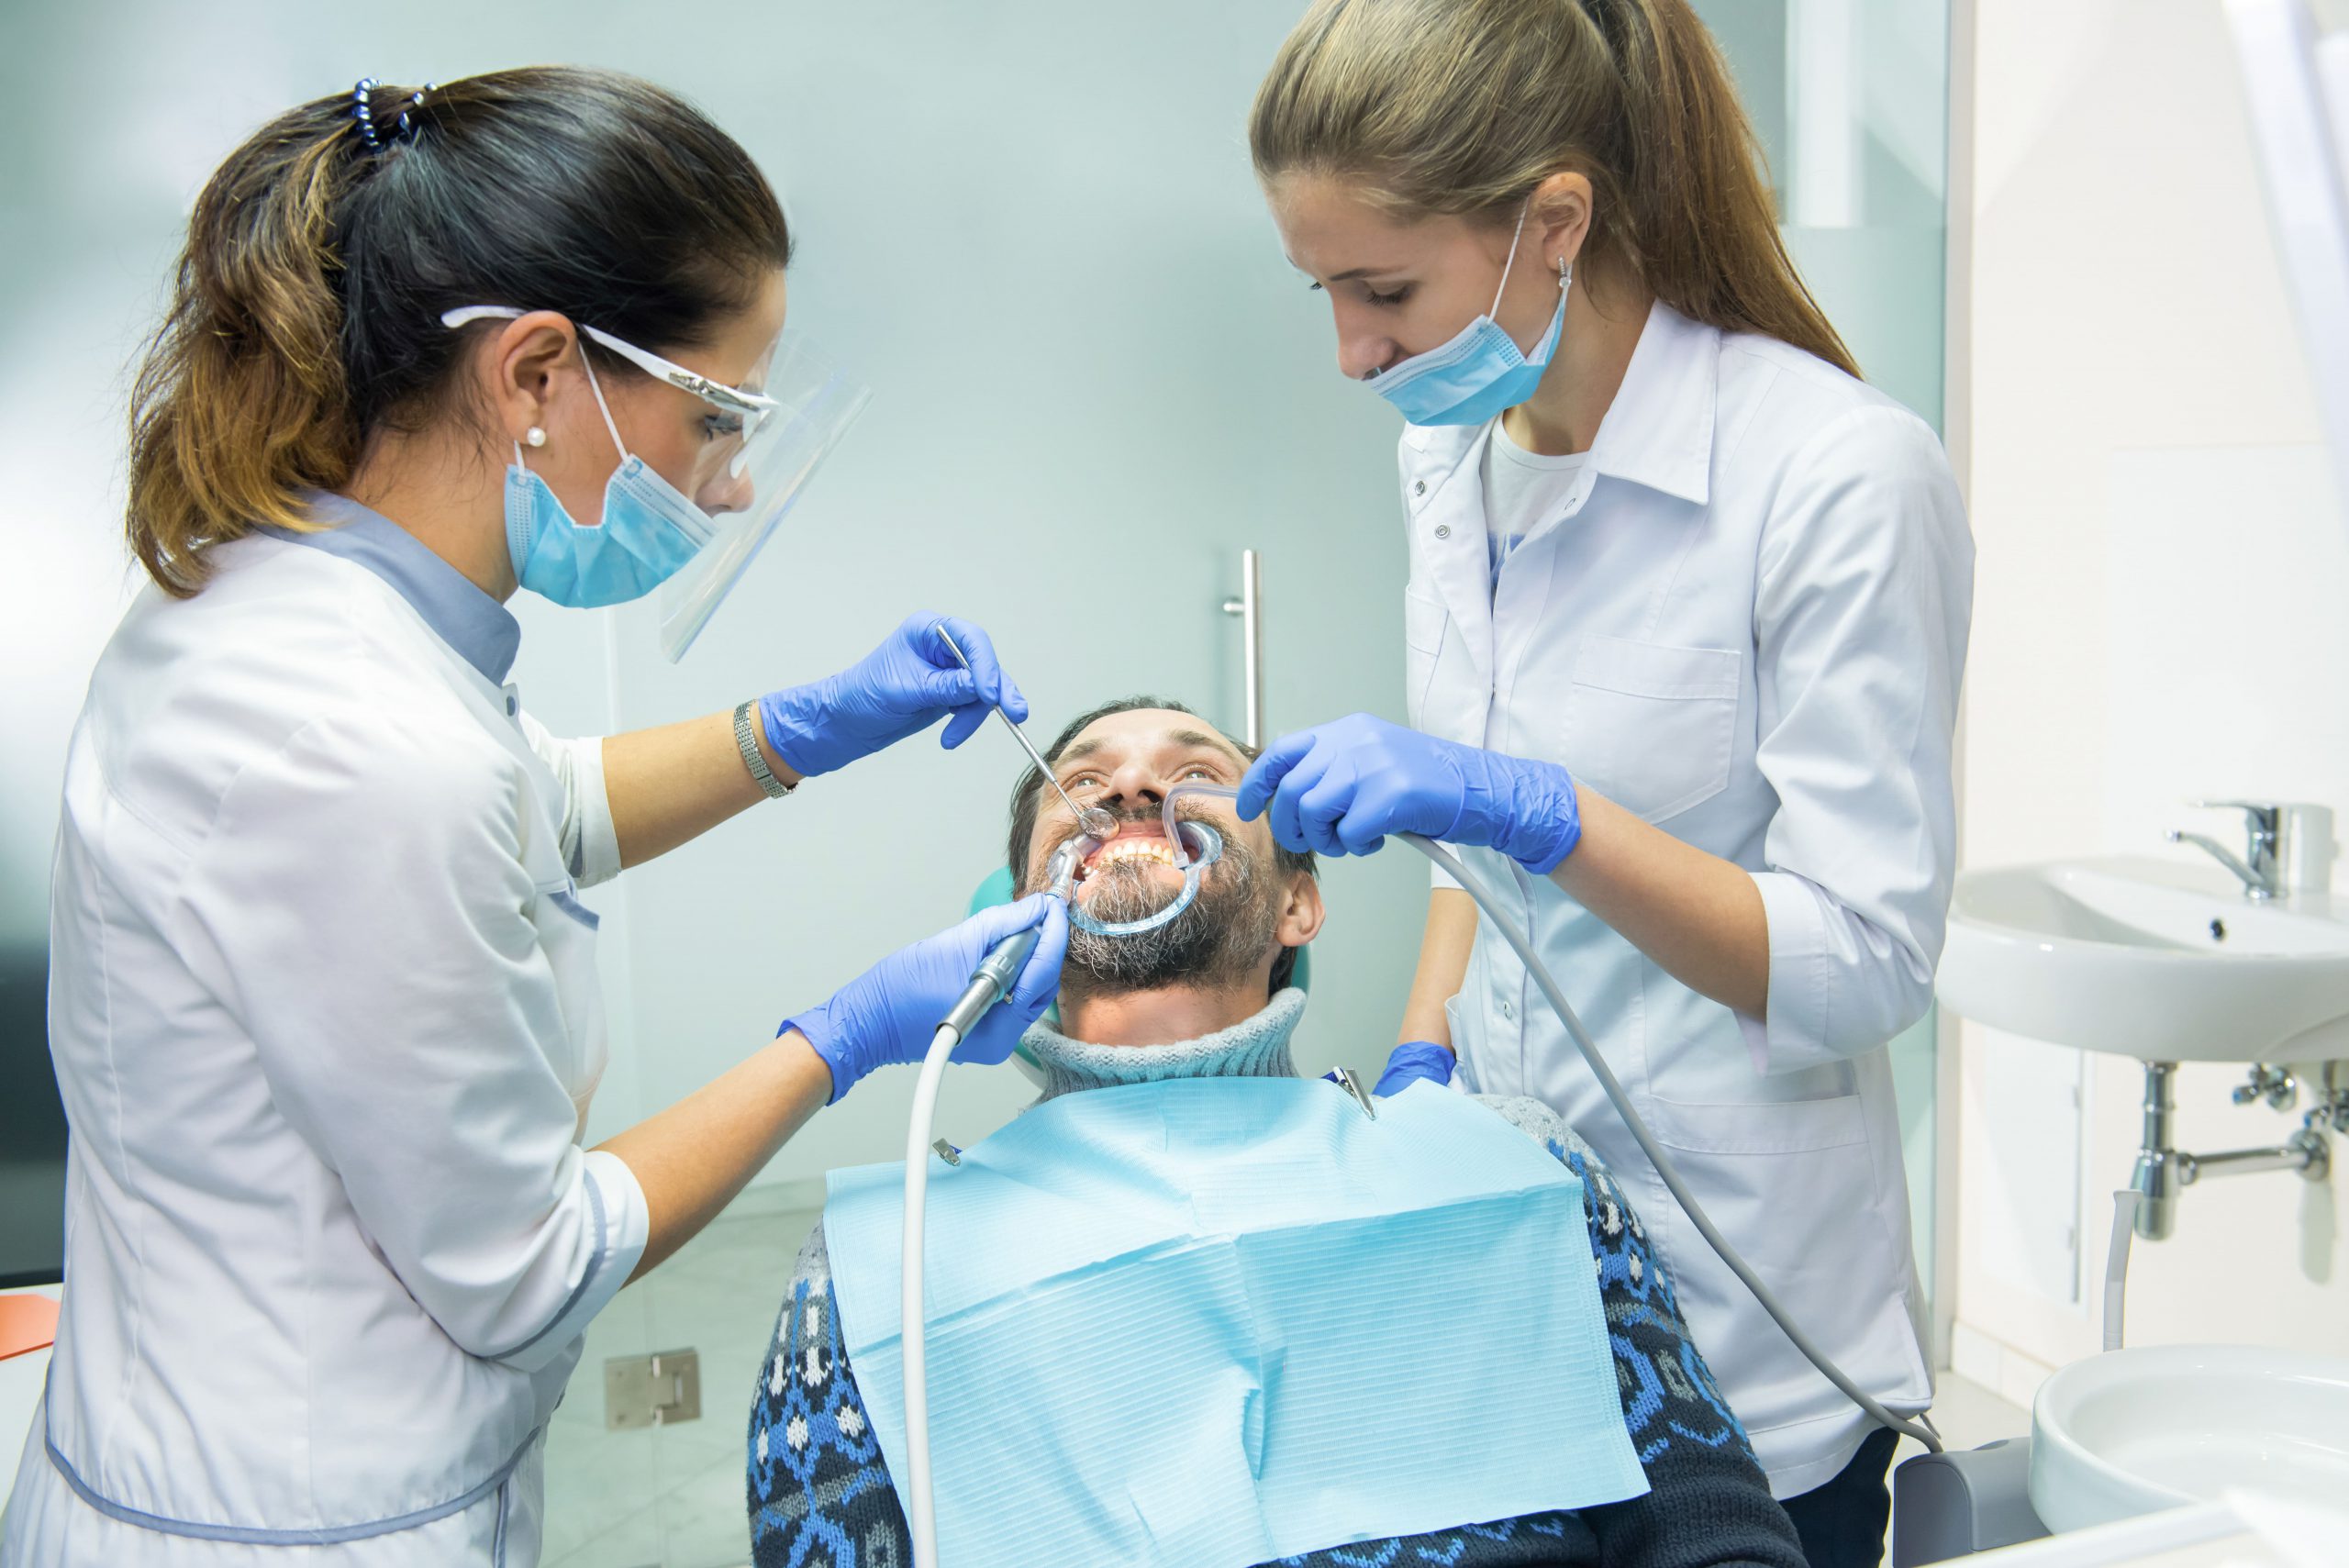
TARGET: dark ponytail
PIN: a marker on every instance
(305, 308)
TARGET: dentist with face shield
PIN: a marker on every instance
(1686, 617)
(324, 1006)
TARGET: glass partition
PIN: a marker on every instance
(1851, 100)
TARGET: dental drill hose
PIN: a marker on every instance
(922, 1512)
(990, 984)
(1490, 904)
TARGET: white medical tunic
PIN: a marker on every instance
(1745, 621)
(324, 1012)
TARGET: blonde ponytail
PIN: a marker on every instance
(1463, 106)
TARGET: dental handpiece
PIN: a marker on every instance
(999, 971)
(1092, 818)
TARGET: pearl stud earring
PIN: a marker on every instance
(534, 437)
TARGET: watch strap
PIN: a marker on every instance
(747, 742)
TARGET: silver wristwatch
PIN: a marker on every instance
(748, 744)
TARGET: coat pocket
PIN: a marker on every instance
(1424, 621)
(1652, 727)
(1795, 1187)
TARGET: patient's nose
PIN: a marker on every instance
(1134, 786)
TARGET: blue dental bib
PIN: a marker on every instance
(1215, 1321)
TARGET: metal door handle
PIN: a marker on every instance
(1249, 608)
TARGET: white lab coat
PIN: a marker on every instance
(325, 1016)
(1746, 623)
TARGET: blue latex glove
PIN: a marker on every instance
(904, 686)
(1340, 788)
(1412, 1060)
(889, 1013)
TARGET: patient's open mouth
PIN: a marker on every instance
(1139, 844)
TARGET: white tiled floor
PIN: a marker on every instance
(672, 1497)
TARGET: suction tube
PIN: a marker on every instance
(1920, 1430)
(1175, 825)
(1479, 889)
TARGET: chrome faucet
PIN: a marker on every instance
(2286, 847)
(2257, 868)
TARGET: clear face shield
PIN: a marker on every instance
(766, 438)
(769, 443)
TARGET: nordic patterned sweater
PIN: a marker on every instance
(820, 1494)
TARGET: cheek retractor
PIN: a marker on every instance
(1197, 847)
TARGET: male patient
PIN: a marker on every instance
(1208, 995)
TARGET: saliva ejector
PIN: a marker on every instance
(1198, 846)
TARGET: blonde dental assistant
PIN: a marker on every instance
(323, 1000)
(1686, 615)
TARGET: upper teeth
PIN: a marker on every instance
(1152, 848)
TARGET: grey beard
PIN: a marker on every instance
(1219, 941)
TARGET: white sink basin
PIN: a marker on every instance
(2160, 961)
(2135, 1431)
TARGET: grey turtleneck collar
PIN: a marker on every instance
(1252, 1048)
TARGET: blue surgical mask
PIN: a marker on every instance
(649, 531)
(1480, 371)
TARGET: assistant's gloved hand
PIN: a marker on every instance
(902, 687)
(1340, 788)
(889, 1013)
(1412, 1060)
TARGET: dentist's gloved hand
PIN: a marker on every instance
(889, 1013)
(1340, 788)
(904, 686)
(1412, 1060)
